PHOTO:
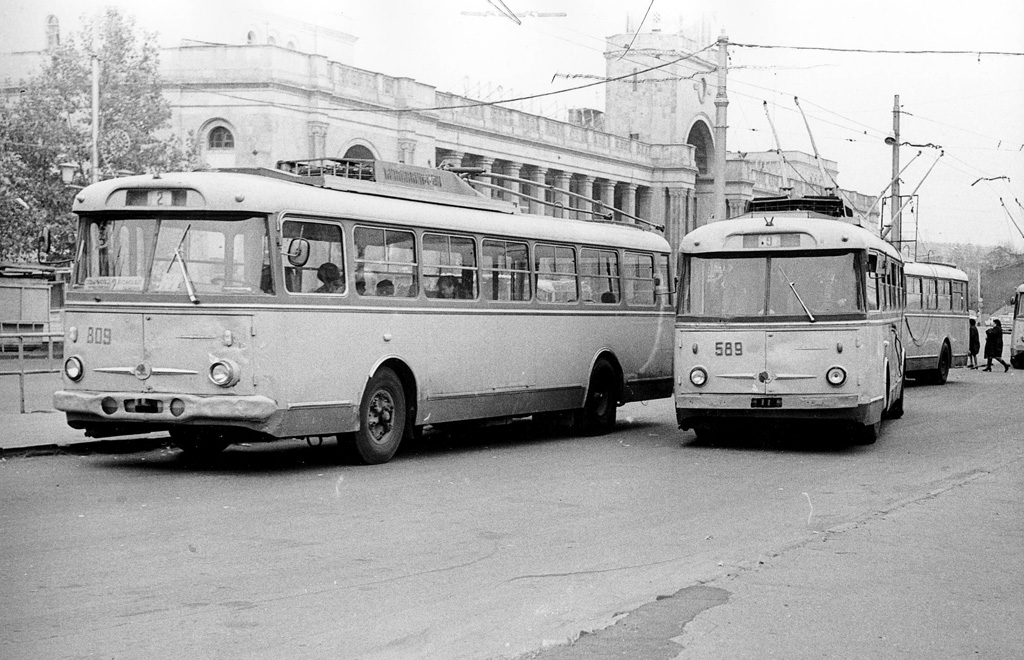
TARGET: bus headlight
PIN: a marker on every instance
(73, 368)
(698, 376)
(224, 373)
(836, 376)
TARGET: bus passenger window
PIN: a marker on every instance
(324, 270)
(449, 266)
(556, 273)
(385, 262)
(599, 275)
(638, 279)
(505, 271)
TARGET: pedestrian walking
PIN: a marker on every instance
(994, 346)
(973, 346)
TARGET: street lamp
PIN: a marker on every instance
(68, 172)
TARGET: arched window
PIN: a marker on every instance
(271, 41)
(220, 138)
(52, 32)
(358, 151)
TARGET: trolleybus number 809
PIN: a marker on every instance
(98, 335)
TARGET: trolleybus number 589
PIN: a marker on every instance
(728, 348)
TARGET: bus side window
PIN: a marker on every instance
(449, 266)
(931, 294)
(945, 296)
(324, 269)
(599, 275)
(874, 281)
(505, 270)
(639, 280)
(385, 262)
(555, 266)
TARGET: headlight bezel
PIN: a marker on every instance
(835, 376)
(74, 369)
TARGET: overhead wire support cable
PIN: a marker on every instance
(910, 197)
(881, 51)
(638, 28)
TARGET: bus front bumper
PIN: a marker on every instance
(693, 408)
(163, 408)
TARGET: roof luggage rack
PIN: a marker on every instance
(378, 177)
(829, 205)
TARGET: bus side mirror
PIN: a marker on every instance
(44, 254)
(298, 252)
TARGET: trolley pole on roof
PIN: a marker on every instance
(895, 229)
(721, 124)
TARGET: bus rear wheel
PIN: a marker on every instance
(381, 419)
(941, 373)
(599, 411)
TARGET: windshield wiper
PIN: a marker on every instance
(189, 287)
(792, 285)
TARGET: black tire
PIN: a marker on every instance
(866, 434)
(382, 416)
(200, 444)
(896, 409)
(599, 411)
(1017, 361)
(941, 373)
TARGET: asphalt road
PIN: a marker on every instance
(510, 541)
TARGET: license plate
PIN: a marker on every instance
(766, 402)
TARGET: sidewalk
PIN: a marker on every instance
(40, 426)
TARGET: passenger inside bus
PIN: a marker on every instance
(385, 288)
(330, 277)
(446, 287)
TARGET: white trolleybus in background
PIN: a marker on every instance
(1017, 332)
(937, 320)
(360, 299)
(789, 312)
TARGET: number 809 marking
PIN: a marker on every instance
(729, 348)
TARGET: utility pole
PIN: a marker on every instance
(895, 228)
(95, 118)
(721, 124)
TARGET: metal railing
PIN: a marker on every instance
(26, 345)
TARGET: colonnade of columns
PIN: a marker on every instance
(672, 207)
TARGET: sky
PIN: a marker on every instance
(969, 103)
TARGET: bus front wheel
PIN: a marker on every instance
(866, 434)
(598, 413)
(199, 443)
(381, 419)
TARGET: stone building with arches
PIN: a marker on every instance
(281, 89)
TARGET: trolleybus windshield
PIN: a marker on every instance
(192, 254)
(777, 287)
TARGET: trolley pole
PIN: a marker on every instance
(721, 124)
(895, 228)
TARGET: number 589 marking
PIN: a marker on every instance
(729, 348)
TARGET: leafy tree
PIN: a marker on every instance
(50, 122)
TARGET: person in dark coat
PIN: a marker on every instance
(994, 346)
(973, 346)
